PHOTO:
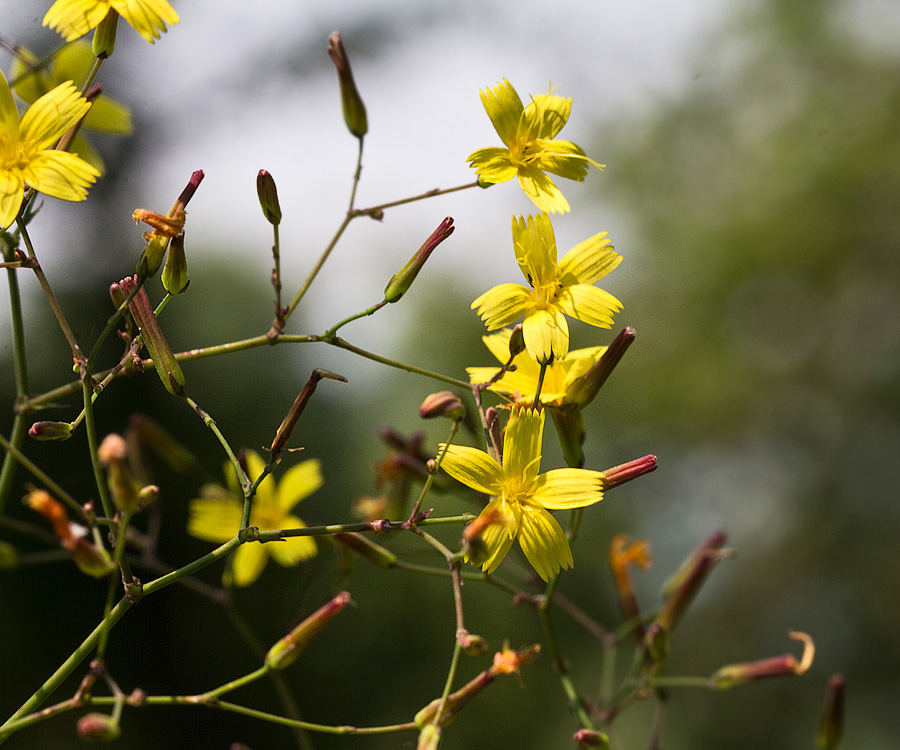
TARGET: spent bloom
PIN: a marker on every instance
(521, 384)
(216, 516)
(75, 18)
(528, 134)
(26, 149)
(556, 289)
(522, 497)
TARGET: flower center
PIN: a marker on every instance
(13, 155)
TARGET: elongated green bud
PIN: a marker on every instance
(268, 197)
(50, 430)
(164, 361)
(831, 727)
(104, 41)
(585, 388)
(442, 404)
(351, 101)
(98, 727)
(283, 653)
(175, 274)
(402, 280)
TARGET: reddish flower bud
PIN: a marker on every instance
(591, 738)
(442, 404)
(362, 545)
(97, 727)
(403, 279)
(831, 727)
(285, 651)
(50, 430)
(351, 101)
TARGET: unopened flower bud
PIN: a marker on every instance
(97, 727)
(403, 279)
(351, 101)
(429, 738)
(116, 295)
(656, 643)
(152, 256)
(374, 553)
(283, 653)
(831, 727)
(473, 645)
(148, 433)
(268, 197)
(164, 227)
(713, 542)
(442, 404)
(123, 487)
(175, 274)
(474, 547)
(516, 341)
(583, 390)
(591, 738)
(778, 666)
(104, 41)
(691, 577)
(50, 430)
(90, 559)
(626, 472)
(148, 495)
(164, 361)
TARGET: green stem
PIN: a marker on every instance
(98, 61)
(432, 474)
(91, 428)
(680, 682)
(422, 196)
(356, 175)
(362, 526)
(540, 384)
(329, 334)
(212, 695)
(318, 267)
(77, 354)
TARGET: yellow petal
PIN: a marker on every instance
(504, 107)
(589, 304)
(492, 164)
(498, 537)
(472, 467)
(264, 499)
(214, 519)
(544, 542)
(502, 305)
(52, 115)
(535, 247)
(541, 190)
(75, 18)
(562, 489)
(9, 114)
(565, 159)
(546, 334)
(60, 174)
(11, 187)
(545, 116)
(292, 549)
(249, 562)
(522, 445)
(147, 17)
(29, 86)
(298, 482)
(589, 261)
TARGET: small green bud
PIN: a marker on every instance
(516, 341)
(97, 727)
(429, 738)
(351, 101)
(285, 651)
(268, 197)
(402, 280)
(50, 430)
(104, 41)
(175, 274)
(152, 256)
(591, 738)
(571, 433)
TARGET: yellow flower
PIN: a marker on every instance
(521, 497)
(72, 63)
(26, 149)
(556, 290)
(528, 133)
(216, 516)
(75, 18)
(521, 384)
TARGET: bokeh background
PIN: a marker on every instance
(753, 187)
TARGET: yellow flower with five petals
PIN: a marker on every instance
(522, 497)
(75, 18)
(531, 149)
(556, 289)
(27, 154)
(216, 517)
